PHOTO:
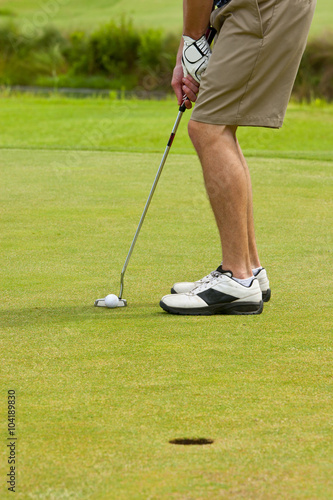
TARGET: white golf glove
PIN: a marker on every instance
(196, 54)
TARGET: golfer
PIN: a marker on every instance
(246, 80)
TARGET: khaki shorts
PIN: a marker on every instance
(254, 62)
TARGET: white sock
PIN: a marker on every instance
(245, 282)
(257, 270)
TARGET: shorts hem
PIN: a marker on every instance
(241, 122)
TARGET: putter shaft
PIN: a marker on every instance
(158, 175)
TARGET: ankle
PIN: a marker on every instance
(256, 270)
(245, 282)
(241, 273)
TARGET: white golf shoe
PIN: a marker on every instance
(187, 286)
(221, 295)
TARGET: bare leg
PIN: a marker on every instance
(228, 186)
(254, 257)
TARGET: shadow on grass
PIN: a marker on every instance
(10, 318)
(143, 315)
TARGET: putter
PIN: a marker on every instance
(122, 302)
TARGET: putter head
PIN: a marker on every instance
(101, 303)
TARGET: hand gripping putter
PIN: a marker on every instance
(122, 302)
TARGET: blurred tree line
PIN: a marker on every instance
(119, 56)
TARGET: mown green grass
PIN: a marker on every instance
(101, 392)
(73, 14)
(117, 125)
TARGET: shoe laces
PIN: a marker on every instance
(209, 277)
(206, 282)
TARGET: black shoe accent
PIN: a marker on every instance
(266, 295)
(212, 296)
(173, 290)
(233, 308)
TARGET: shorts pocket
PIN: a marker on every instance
(266, 13)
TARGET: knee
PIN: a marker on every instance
(194, 129)
(204, 135)
(197, 131)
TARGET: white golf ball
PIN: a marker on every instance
(111, 300)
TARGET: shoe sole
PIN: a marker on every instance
(239, 309)
(266, 295)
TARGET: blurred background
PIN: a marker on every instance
(123, 46)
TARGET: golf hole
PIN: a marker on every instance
(191, 441)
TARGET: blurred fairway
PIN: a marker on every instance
(144, 126)
(74, 14)
(101, 392)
